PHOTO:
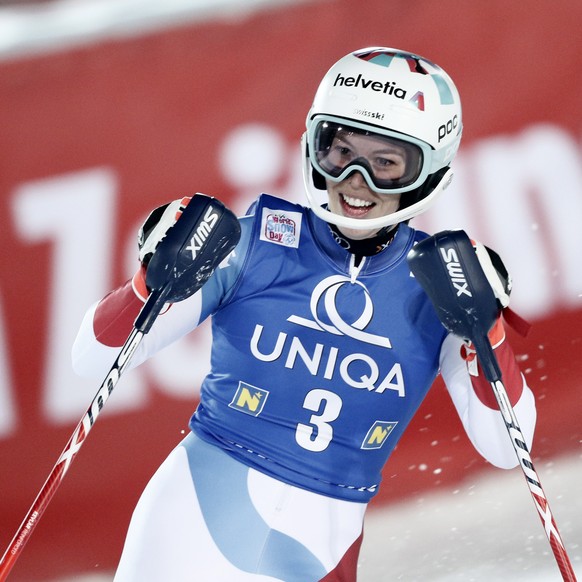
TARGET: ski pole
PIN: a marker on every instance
(204, 235)
(467, 307)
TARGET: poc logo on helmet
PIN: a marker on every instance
(448, 127)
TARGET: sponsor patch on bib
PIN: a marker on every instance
(282, 228)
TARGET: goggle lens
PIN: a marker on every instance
(390, 162)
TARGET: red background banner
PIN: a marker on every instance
(94, 136)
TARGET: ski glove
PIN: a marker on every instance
(496, 273)
(500, 280)
(156, 226)
(152, 231)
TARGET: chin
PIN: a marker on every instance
(356, 234)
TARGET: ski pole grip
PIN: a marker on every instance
(487, 358)
(447, 268)
(151, 309)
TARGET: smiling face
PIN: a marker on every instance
(353, 197)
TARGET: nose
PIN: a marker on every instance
(357, 180)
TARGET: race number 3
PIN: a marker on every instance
(317, 435)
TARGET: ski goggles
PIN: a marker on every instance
(388, 163)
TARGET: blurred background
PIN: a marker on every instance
(109, 108)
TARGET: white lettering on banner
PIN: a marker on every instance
(73, 211)
(7, 408)
(520, 195)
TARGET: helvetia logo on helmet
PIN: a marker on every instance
(389, 87)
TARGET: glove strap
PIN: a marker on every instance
(516, 322)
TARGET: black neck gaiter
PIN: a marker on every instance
(365, 247)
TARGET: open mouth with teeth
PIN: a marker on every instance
(355, 207)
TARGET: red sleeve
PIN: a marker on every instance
(512, 379)
(511, 375)
(115, 315)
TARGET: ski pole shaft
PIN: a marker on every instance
(69, 452)
(447, 267)
(177, 269)
(488, 360)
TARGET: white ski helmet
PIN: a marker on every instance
(400, 98)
